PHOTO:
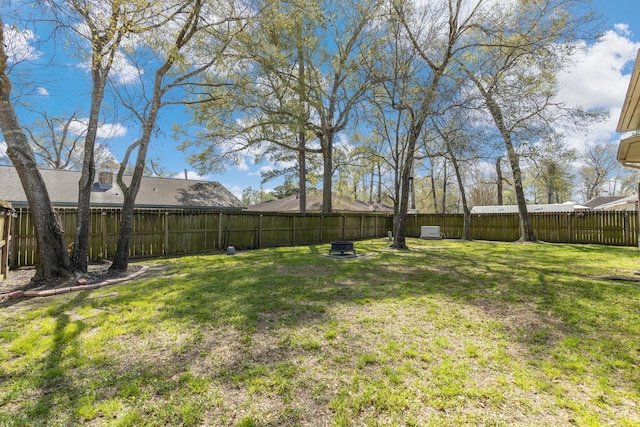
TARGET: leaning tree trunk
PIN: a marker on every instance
(53, 260)
(499, 181)
(83, 220)
(121, 257)
(130, 192)
(526, 227)
(466, 228)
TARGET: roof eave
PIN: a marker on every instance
(629, 151)
(630, 114)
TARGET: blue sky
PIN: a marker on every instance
(599, 78)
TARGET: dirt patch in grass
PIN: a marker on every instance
(20, 279)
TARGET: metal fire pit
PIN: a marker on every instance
(342, 248)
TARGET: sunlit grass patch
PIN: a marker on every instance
(446, 333)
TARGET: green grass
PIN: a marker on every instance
(447, 333)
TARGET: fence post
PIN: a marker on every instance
(220, 230)
(344, 227)
(260, 231)
(103, 225)
(165, 224)
(377, 222)
(293, 232)
(5, 237)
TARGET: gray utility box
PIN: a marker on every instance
(430, 232)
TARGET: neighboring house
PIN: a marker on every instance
(628, 203)
(629, 121)
(314, 204)
(557, 207)
(602, 200)
(154, 192)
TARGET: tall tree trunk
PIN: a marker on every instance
(371, 180)
(499, 181)
(379, 196)
(444, 188)
(400, 232)
(53, 260)
(302, 134)
(327, 175)
(103, 51)
(130, 192)
(302, 173)
(432, 179)
(526, 227)
(412, 189)
(466, 225)
(83, 219)
(121, 257)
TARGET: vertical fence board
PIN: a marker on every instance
(5, 237)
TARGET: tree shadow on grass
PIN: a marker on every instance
(299, 283)
(49, 377)
(268, 294)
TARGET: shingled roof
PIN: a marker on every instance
(314, 204)
(154, 192)
(602, 200)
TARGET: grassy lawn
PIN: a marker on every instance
(447, 333)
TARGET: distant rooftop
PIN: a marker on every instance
(314, 204)
(155, 192)
(602, 200)
(556, 207)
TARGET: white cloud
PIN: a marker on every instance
(623, 29)
(191, 175)
(285, 164)
(122, 70)
(42, 91)
(242, 165)
(235, 190)
(105, 130)
(596, 79)
(111, 130)
(3, 149)
(18, 44)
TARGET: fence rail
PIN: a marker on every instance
(159, 232)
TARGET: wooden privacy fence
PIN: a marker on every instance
(159, 232)
(618, 228)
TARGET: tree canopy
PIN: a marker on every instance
(418, 104)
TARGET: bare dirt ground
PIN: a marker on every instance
(20, 279)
